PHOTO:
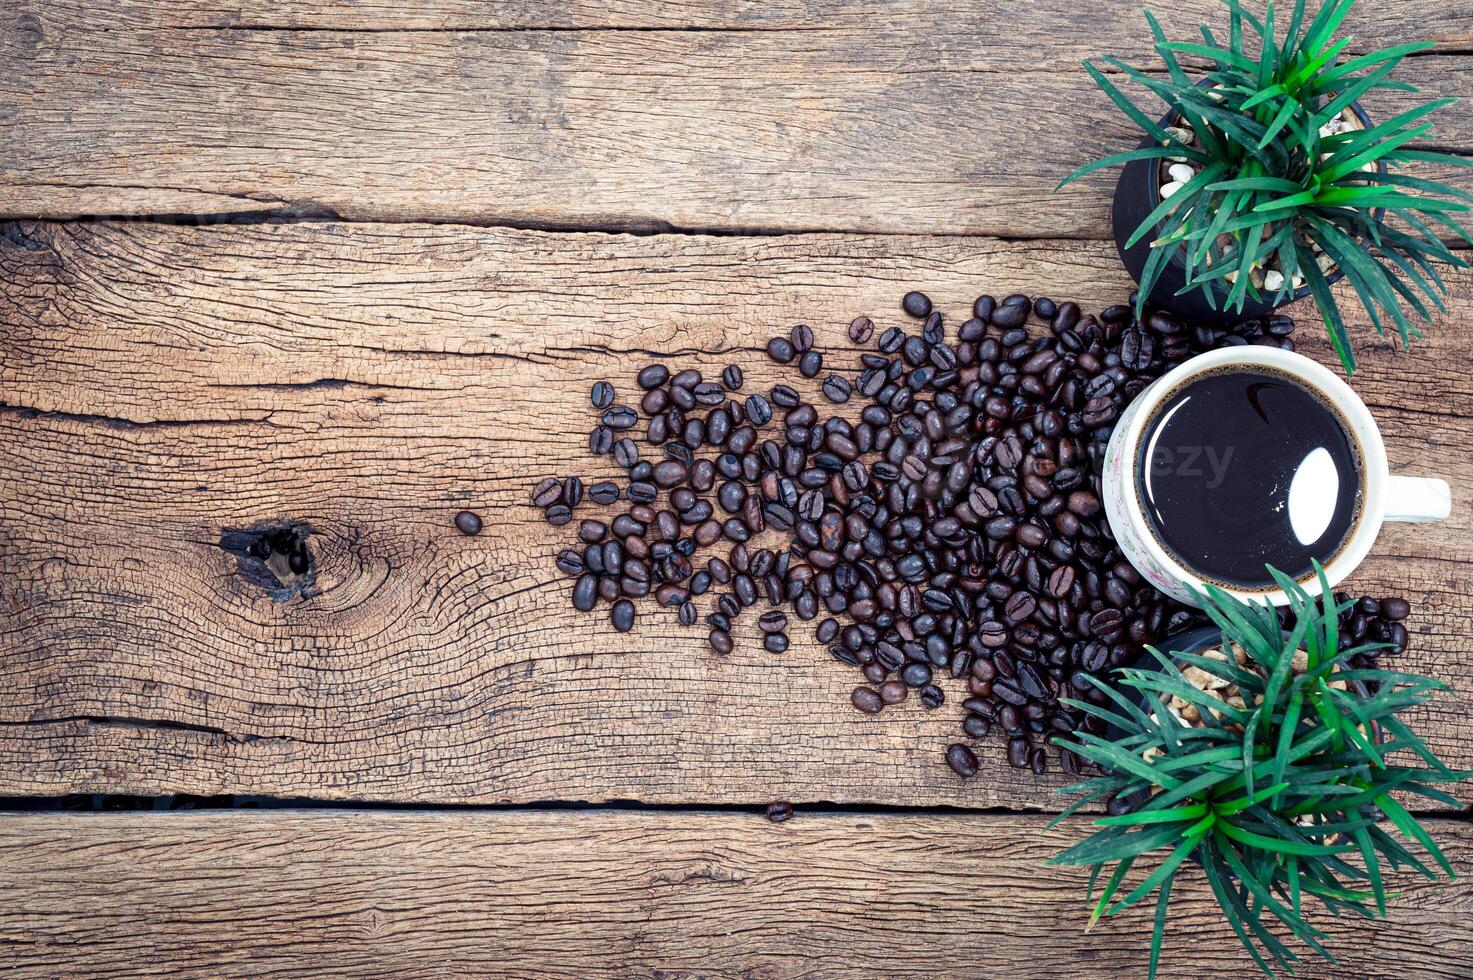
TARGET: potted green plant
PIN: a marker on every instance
(1265, 181)
(1279, 784)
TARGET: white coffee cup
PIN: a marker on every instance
(1384, 497)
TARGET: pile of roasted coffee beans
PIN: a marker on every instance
(952, 526)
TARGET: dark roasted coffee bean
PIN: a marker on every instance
(780, 812)
(1395, 608)
(810, 364)
(775, 642)
(1020, 606)
(622, 615)
(601, 395)
(626, 453)
(1105, 622)
(758, 410)
(772, 622)
(559, 514)
(467, 522)
(670, 473)
(893, 692)
(861, 329)
(836, 389)
(802, 337)
(720, 641)
(604, 493)
(731, 377)
(585, 592)
(916, 674)
(780, 350)
(620, 417)
(962, 760)
(866, 700)
(546, 493)
(916, 304)
(653, 376)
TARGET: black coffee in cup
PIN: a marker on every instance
(1246, 467)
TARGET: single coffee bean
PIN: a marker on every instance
(893, 692)
(1395, 608)
(601, 395)
(622, 615)
(653, 376)
(810, 364)
(731, 377)
(861, 329)
(585, 592)
(780, 350)
(467, 522)
(802, 337)
(626, 453)
(866, 700)
(720, 641)
(775, 642)
(836, 389)
(620, 417)
(962, 760)
(780, 812)
(916, 304)
(546, 493)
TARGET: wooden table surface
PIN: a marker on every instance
(352, 267)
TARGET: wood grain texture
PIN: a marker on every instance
(935, 123)
(1053, 27)
(165, 384)
(628, 894)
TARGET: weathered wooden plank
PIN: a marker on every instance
(1056, 28)
(620, 894)
(371, 380)
(928, 128)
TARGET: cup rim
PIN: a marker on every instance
(1352, 409)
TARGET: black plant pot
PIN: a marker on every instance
(1137, 194)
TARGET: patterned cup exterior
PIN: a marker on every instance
(1126, 522)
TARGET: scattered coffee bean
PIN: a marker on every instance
(916, 304)
(780, 812)
(866, 700)
(602, 395)
(622, 615)
(780, 350)
(468, 523)
(836, 389)
(620, 417)
(962, 760)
